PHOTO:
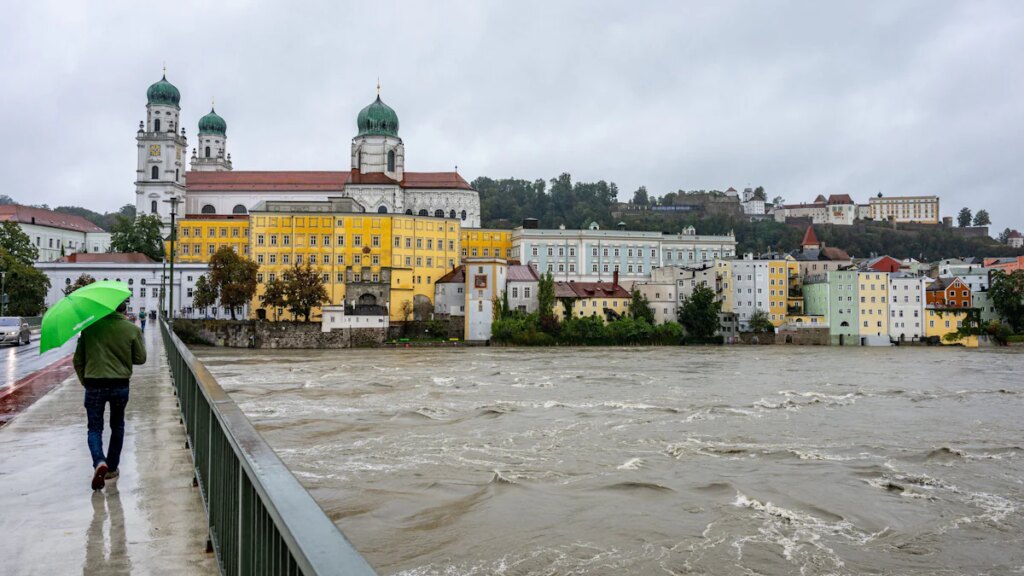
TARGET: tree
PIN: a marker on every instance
(760, 194)
(139, 235)
(546, 296)
(1004, 236)
(16, 243)
(275, 296)
(1007, 295)
(25, 286)
(778, 201)
(205, 293)
(698, 313)
(981, 218)
(640, 307)
(640, 197)
(964, 218)
(6, 200)
(83, 280)
(406, 310)
(233, 278)
(760, 323)
(304, 289)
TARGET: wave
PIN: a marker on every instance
(632, 464)
(630, 486)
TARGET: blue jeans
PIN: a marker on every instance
(95, 402)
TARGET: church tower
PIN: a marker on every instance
(212, 145)
(377, 147)
(161, 147)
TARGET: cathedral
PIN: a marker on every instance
(376, 180)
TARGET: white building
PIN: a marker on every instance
(837, 209)
(594, 255)
(450, 293)
(521, 287)
(921, 209)
(376, 177)
(55, 234)
(485, 279)
(749, 285)
(668, 287)
(1015, 240)
(336, 318)
(906, 306)
(144, 276)
(753, 203)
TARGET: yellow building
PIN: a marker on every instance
(874, 303)
(408, 252)
(939, 322)
(924, 209)
(784, 296)
(600, 299)
(200, 235)
(486, 243)
(724, 281)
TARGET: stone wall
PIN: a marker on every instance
(803, 336)
(283, 335)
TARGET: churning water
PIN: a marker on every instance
(736, 460)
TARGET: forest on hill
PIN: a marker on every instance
(504, 203)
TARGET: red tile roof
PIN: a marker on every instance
(108, 258)
(43, 217)
(810, 239)
(522, 273)
(316, 181)
(590, 290)
(840, 199)
(456, 276)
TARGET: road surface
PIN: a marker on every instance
(17, 362)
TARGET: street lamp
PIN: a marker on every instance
(173, 201)
(3, 293)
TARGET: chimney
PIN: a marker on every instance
(615, 278)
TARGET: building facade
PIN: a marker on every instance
(906, 306)
(669, 286)
(873, 291)
(485, 280)
(55, 234)
(920, 209)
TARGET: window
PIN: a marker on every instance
(375, 241)
(312, 240)
(463, 214)
(259, 239)
(391, 160)
(155, 172)
(286, 239)
(152, 207)
(357, 240)
(327, 240)
(208, 209)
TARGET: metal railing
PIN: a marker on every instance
(262, 521)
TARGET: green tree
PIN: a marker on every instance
(640, 307)
(640, 197)
(698, 313)
(304, 287)
(233, 278)
(138, 235)
(546, 296)
(1007, 295)
(83, 280)
(406, 310)
(1004, 236)
(6, 200)
(16, 243)
(205, 293)
(963, 219)
(981, 218)
(761, 323)
(275, 296)
(25, 286)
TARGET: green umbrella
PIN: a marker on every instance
(76, 311)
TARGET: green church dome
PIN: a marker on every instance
(377, 118)
(163, 92)
(212, 123)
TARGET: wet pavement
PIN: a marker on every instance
(18, 362)
(149, 521)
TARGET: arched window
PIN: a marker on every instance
(409, 211)
(452, 214)
(208, 209)
(239, 209)
(156, 125)
(382, 210)
(423, 212)
(155, 172)
(152, 207)
(463, 214)
(207, 151)
(177, 174)
(438, 213)
(391, 160)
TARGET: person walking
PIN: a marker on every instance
(103, 361)
(142, 321)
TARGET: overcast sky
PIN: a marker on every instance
(799, 97)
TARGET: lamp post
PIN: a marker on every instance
(173, 201)
(3, 293)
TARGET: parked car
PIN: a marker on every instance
(14, 330)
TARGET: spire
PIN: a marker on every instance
(810, 239)
(165, 69)
(378, 86)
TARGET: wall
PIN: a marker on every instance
(284, 335)
(803, 336)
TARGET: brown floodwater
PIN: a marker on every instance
(735, 460)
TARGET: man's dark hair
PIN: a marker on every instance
(122, 307)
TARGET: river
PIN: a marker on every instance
(728, 460)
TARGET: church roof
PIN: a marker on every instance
(108, 258)
(42, 217)
(316, 181)
(163, 92)
(377, 118)
(212, 123)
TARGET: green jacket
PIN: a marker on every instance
(108, 348)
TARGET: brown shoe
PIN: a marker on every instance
(98, 476)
